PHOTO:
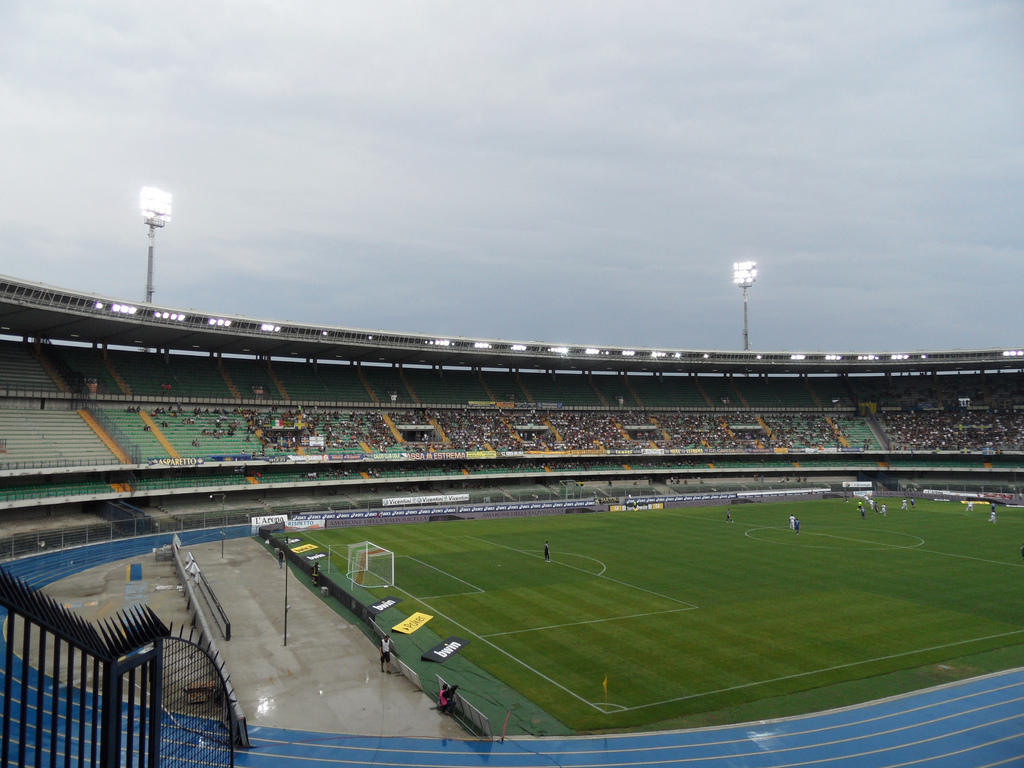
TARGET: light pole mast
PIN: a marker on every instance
(744, 273)
(156, 209)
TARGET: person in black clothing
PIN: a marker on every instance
(547, 552)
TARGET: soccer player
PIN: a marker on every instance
(385, 654)
(792, 522)
(903, 506)
(884, 513)
(728, 515)
(547, 552)
(796, 525)
(970, 506)
(992, 514)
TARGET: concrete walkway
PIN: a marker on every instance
(326, 679)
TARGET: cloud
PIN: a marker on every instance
(573, 172)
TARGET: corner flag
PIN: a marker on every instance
(605, 686)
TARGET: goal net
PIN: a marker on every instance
(370, 565)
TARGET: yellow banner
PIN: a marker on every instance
(411, 624)
(304, 548)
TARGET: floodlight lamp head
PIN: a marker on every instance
(155, 205)
(744, 273)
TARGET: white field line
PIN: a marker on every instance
(881, 545)
(970, 557)
(588, 621)
(449, 575)
(690, 606)
(501, 650)
(843, 725)
(599, 705)
(587, 557)
(873, 545)
(828, 669)
(447, 594)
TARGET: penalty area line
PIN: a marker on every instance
(587, 621)
(439, 570)
(501, 650)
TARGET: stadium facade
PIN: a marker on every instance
(106, 401)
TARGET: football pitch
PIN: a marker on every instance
(677, 617)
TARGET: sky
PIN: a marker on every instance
(569, 171)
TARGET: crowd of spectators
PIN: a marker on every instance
(525, 429)
(475, 429)
(693, 430)
(961, 430)
(587, 430)
(801, 431)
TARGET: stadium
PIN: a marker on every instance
(398, 472)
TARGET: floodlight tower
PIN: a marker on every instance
(744, 273)
(156, 209)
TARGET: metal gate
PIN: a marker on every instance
(197, 723)
(122, 692)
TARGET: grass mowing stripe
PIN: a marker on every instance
(841, 592)
(482, 638)
(971, 557)
(826, 669)
(689, 606)
(588, 621)
(441, 570)
(500, 650)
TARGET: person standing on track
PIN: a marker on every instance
(385, 654)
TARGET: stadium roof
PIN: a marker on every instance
(36, 310)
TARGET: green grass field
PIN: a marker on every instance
(694, 620)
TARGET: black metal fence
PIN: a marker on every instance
(116, 693)
(71, 689)
(197, 724)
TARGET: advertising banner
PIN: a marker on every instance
(181, 461)
(439, 498)
(256, 522)
(441, 653)
(411, 624)
(382, 605)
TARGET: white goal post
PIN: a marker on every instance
(370, 565)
